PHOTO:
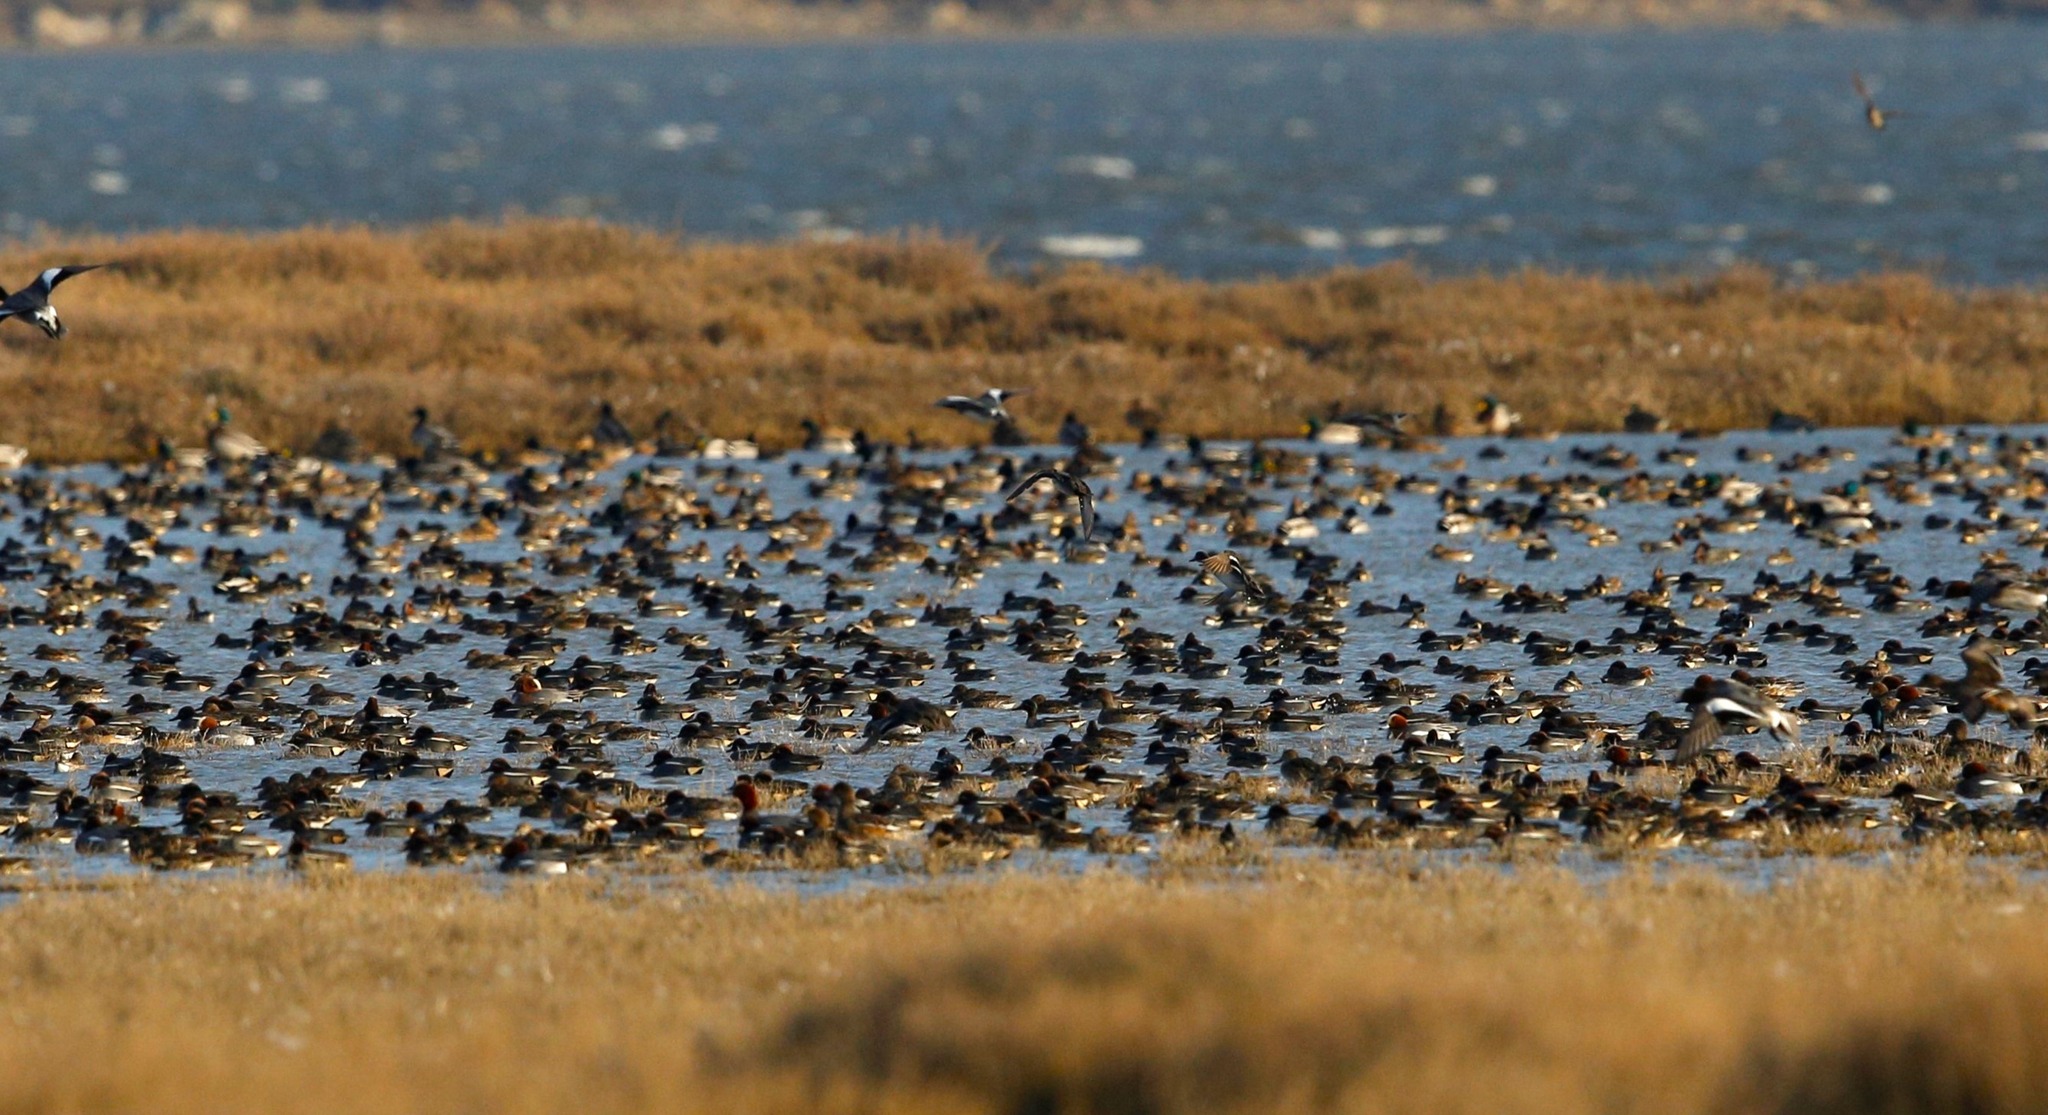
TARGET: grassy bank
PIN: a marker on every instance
(510, 332)
(1338, 987)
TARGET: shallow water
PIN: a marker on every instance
(1395, 551)
(1633, 152)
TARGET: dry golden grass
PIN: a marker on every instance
(517, 331)
(1369, 985)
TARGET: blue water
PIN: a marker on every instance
(1642, 152)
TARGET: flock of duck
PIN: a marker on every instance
(859, 653)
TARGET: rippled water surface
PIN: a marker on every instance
(1394, 556)
(1642, 152)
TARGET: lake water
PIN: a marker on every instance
(1636, 152)
(1394, 554)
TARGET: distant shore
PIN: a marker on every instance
(517, 331)
(85, 24)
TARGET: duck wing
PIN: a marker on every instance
(1704, 730)
(1228, 570)
(1068, 485)
(1030, 481)
(48, 280)
(1981, 669)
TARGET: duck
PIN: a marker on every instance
(1977, 780)
(1066, 484)
(433, 441)
(1877, 118)
(667, 764)
(309, 858)
(990, 406)
(889, 713)
(1495, 418)
(1715, 703)
(610, 431)
(1641, 421)
(32, 302)
(522, 856)
(1982, 690)
(831, 441)
(757, 827)
(232, 447)
(1229, 571)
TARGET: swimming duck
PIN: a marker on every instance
(1495, 418)
(231, 446)
(889, 713)
(610, 431)
(307, 857)
(1640, 421)
(522, 856)
(1976, 780)
(434, 442)
(829, 440)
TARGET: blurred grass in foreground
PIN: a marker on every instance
(1389, 984)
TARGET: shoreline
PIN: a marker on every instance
(231, 24)
(886, 37)
(993, 35)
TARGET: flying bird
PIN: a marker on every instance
(1875, 116)
(1717, 703)
(1228, 570)
(1068, 485)
(1982, 690)
(986, 407)
(33, 300)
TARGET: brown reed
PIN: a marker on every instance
(1382, 983)
(517, 331)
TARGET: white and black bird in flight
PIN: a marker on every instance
(1717, 703)
(1228, 570)
(987, 406)
(33, 300)
(1068, 485)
